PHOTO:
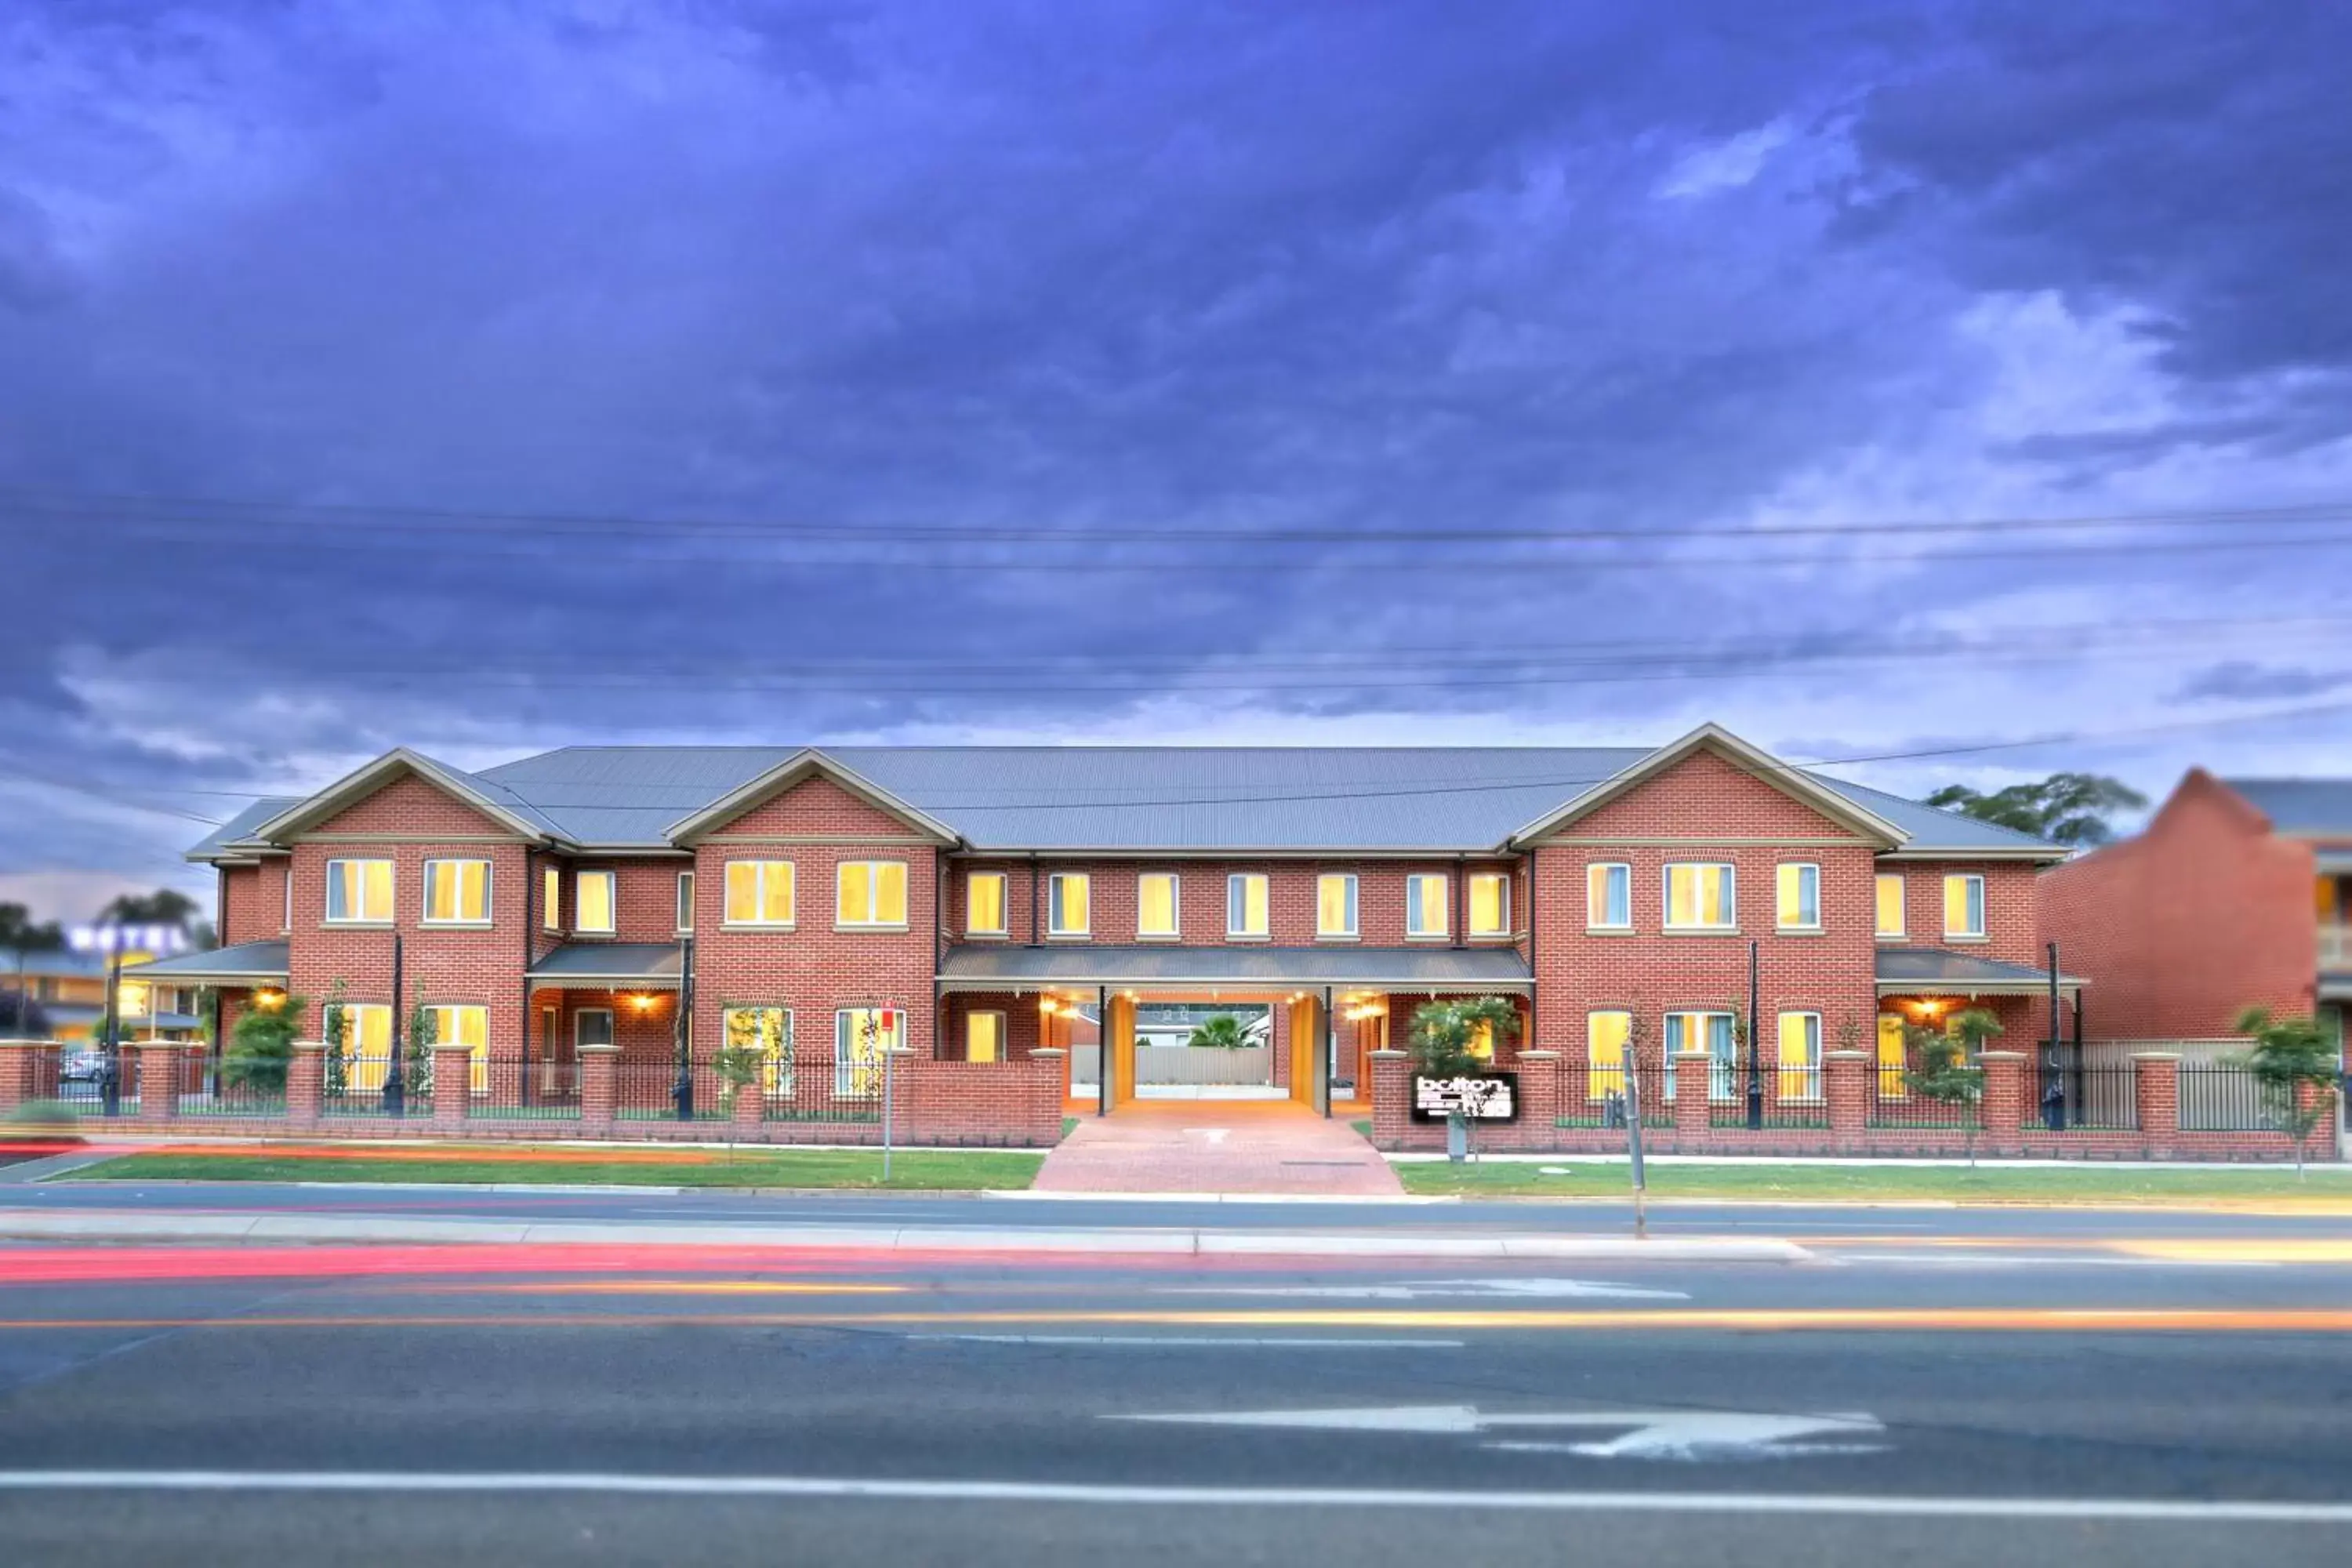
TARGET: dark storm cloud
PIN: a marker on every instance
(972, 267)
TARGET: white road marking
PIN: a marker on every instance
(2142, 1510)
(1220, 1341)
(1975, 1260)
(1654, 1435)
(1437, 1288)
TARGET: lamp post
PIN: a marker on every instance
(1755, 1051)
(395, 1079)
(682, 1090)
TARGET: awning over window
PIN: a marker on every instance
(247, 963)
(1935, 970)
(596, 965)
(978, 968)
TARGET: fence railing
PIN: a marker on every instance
(227, 1092)
(818, 1084)
(2221, 1097)
(1605, 1096)
(508, 1088)
(355, 1084)
(645, 1089)
(1894, 1102)
(2079, 1096)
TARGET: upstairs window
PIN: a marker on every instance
(1490, 903)
(456, 892)
(759, 892)
(1964, 905)
(1335, 904)
(593, 902)
(984, 903)
(358, 892)
(1425, 906)
(551, 899)
(1890, 903)
(1608, 897)
(1699, 898)
(871, 894)
(1799, 905)
(1067, 911)
(686, 903)
(1155, 904)
(1245, 904)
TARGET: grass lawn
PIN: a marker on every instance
(1986, 1184)
(926, 1170)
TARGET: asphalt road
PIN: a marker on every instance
(335, 1404)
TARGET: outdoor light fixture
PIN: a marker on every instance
(643, 1002)
(270, 999)
(1048, 1004)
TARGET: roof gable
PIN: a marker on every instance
(1714, 739)
(509, 813)
(788, 774)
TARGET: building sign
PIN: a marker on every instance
(1482, 1097)
(154, 940)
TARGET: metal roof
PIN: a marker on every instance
(2301, 806)
(1401, 968)
(245, 961)
(1936, 968)
(612, 962)
(235, 829)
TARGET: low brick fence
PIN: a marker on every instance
(1014, 1104)
(2008, 1118)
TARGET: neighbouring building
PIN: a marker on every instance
(685, 911)
(70, 989)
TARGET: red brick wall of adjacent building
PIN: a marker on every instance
(252, 902)
(2205, 913)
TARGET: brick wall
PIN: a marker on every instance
(2203, 914)
(2012, 909)
(252, 902)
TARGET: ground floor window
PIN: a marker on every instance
(469, 1027)
(1708, 1032)
(860, 1035)
(1800, 1057)
(1890, 1084)
(366, 1047)
(1605, 1035)
(984, 1037)
(767, 1031)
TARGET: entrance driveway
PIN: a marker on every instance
(1216, 1146)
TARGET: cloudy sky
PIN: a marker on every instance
(1890, 383)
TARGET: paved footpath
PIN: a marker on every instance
(1211, 1146)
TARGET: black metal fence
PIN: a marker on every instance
(2074, 1094)
(2221, 1097)
(1895, 1101)
(1608, 1096)
(648, 1089)
(812, 1083)
(507, 1087)
(221, 1088)
(359, 1083)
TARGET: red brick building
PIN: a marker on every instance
(994, 923)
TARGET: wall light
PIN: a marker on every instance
(643, 1002)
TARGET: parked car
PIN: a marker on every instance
(81, 1065)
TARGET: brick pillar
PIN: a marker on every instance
(453, 1084)
(2003, 1106)
(750, 1106)
(1691, 1108)
(1048, 1073)
(2156, 1095)
(306, 1082)
(158, 1078)
(1391, 1097)
(598, 1085)
(22, 1074)
(1845, 1087)
(1539, 1099)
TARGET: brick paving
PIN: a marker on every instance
(1216, 1146)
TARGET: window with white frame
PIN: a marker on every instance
(285, 887)
(551, 898)
(1609, 896)
(358, 892)
(461, 1025)
(1335, 904)
(1245, 904)
(983, 1036)
(1156, 906)
(365, 1048)
(1708, 1032)
(1964, 905)
(1490, 903)
(1699, 897)
(686, 903)
(1424, 905)
(594, 901)
(456, 892)
(1797, 904)
(1890, 903)
(1068, 900)
(861, 1038)
(984, 903)
(765, 1033)
(1606, 1034)
(1800, 1057)
(871, 895)
(759, 893)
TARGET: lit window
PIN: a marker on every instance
(1605, 1037)
(1155, 904)
(871, 893)
(551, 898)
(686, 903)
(759, 892)
(1799, 898)
(1608, 897)
(365, 1048)
(1066, 912)
(766, 1032)
(359, 892)
(466, 1027)
(1699, 898)
(1425, 906)
(1335, 904)
(592, 903)
(1964, 905)
(1800, 1056)
(1482, 1040)
(456, 892)
(1892, 1042)
(1890, 903)
(1708, 1032)
(1490, 903)
(984, 903)
(860, 1037)
(286, 888)
(1245, 895)
(984, 1037)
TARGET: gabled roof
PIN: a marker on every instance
(795, 769)
(1794, 783)
(493, 800)
(233, 839)
(2320, 807)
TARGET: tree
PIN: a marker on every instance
(163, 907)
(21, 937)
(1947, 1071)
(1222, 1033)
(2295, 1066)
(1443, 1036)
(22, 1017)
(2065, 808)
(261, 1046)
